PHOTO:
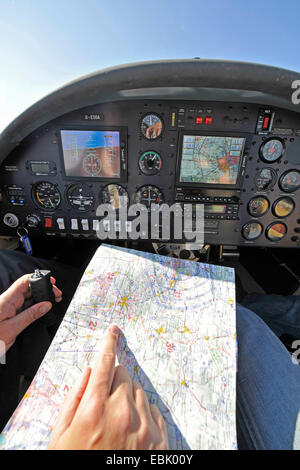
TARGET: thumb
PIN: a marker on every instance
(19, 322)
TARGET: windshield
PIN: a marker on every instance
(47, 44)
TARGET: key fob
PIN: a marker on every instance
(41, 287)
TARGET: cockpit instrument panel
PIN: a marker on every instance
(239, 161)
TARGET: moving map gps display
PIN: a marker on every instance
(211, 159)
(91, 154)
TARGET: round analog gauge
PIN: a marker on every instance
(276, 231)
(115, 195)
(271, 150)
(148, 195)
(290, 181)
(46, 195)
(151, 126)
(265, 179)
(258, 206)
(252, 230)
(150, 163)
(80, 197)
(283, 207)
(91, 165)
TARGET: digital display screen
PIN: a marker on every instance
(39, 167)
(91, 154)
(211, 159)
(216, 208)
(15, 191)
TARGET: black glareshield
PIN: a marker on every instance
(41, 287)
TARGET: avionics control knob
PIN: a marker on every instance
(32, 221)
(11, 220)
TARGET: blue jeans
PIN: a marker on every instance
(268, 382)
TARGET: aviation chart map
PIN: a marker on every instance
(211, 159)
(178, 340)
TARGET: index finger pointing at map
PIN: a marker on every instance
(103, 370)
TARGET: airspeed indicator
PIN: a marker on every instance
(46, 195)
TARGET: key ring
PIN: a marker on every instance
(25, 234)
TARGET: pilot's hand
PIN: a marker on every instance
(108, 410)
(154, 131)
(12, 300)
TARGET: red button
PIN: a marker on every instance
(266, 123)
(199, 120)
(48, 222)
(208, 120)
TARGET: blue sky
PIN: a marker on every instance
(46, 43)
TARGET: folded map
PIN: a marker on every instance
(178, 340)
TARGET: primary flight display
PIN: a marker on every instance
(91, 154)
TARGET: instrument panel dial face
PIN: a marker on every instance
(252, 230)
(151, 126)
(80, 197)
(265, 179)
(283, 207)
(290, 181)
(258, 206)
(276, 231)
(115, 195)
(92, 165)
(150, 163)
(148, 195)
(271, 150)
(46, 195)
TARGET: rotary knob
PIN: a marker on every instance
(32, 221)
(11, 220)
